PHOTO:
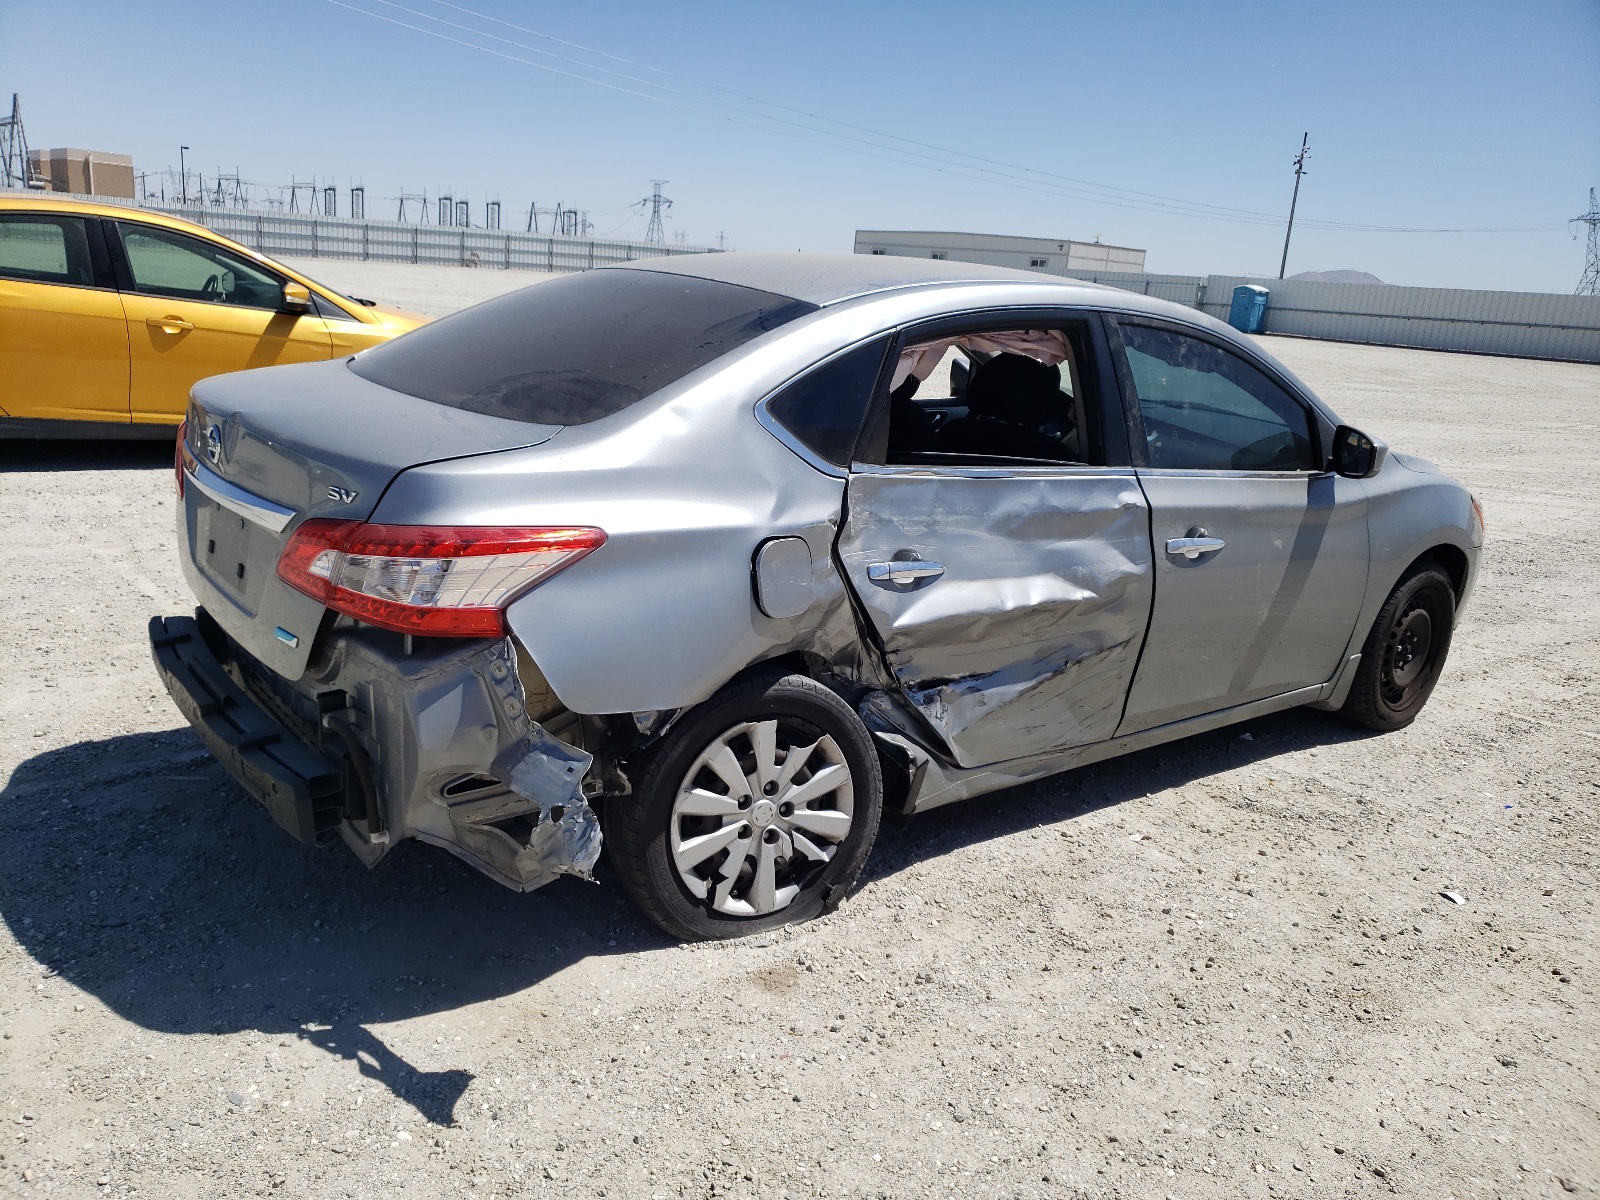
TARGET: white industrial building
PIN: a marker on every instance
(1057, 256)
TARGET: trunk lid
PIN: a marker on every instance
(273, 447)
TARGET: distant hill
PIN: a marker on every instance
(1337, 277)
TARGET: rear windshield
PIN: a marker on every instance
(578, 348)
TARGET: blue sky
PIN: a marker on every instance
(1462, 115)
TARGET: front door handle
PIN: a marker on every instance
(1193, 547)
(169, 324)
(904, 571)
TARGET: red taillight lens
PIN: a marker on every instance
(177, 453)
(452, 581)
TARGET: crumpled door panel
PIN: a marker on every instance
(1026, 642)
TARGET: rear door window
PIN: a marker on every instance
(578, 348)
(44, 248)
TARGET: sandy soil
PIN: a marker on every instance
(1218, 969)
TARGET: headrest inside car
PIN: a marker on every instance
(1015, 388)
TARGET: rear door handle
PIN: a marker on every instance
(169, 324)
(1193, 547)
(904, 571)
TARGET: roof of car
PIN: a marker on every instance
(830, 278)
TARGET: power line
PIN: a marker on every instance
(1589, 285)
(943, 160)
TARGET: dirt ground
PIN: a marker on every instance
(1221, 968)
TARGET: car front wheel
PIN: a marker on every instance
(758, 810)
(1405, 652)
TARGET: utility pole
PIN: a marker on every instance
(1299, 170)
(1589, 285)
(183, 169)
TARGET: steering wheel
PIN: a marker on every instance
(211, 289)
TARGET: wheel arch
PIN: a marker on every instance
(1452, 560)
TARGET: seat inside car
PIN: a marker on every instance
(1010, 401)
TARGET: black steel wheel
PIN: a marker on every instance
(757, 810)
(1405, 651)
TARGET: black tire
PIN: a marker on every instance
(1404, 653)
(639, 827)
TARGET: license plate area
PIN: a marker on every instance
(233, 553)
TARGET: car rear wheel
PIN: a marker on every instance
(1405, 652)
(758, 810)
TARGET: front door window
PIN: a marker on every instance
(1206, 409)
(171, 264)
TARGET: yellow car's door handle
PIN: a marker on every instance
(169, 324)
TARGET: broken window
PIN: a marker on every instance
(1007, 395)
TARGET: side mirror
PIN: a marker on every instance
(960, 373)
(296, 297)
(1355, 455)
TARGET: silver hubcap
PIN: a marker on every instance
(759, 811)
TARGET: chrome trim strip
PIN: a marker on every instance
(270, 516)
(804, 452)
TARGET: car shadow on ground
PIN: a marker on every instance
(136, 870)
(909, 840)
(25, 454)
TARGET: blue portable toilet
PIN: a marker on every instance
(1248, 313)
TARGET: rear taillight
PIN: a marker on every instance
(177, 453)
(450, 580)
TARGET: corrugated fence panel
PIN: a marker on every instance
(1516, 324)
(295, 235)
(1182, 289)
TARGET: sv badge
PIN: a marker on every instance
(342, 495)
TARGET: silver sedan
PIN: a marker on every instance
(724, 554)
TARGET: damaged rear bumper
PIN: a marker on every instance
(379, 742)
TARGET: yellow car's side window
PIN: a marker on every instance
(165, 263)
(39, 248)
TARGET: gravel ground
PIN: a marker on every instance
(1220, 969)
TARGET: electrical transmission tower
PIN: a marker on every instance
(655, 233)
(1589, 285)
(14, 172)
(1299, 170)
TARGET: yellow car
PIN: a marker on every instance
(109, 315)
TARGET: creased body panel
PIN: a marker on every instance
(1027, 641)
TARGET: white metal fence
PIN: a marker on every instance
(293, 234)
(1518, 324)
(397, 241)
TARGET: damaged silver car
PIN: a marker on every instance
(724, 554)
